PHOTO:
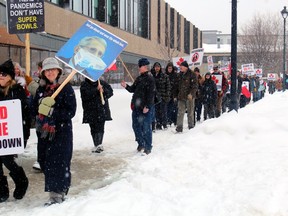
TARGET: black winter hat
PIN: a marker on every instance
(142, 62)
(185, 64)
(196, 69)
(8, 68)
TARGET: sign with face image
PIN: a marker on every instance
(91, 50)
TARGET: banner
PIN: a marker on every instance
(196, 56)
(11, 128)
(178, 60)
(91, 50)
(25, 16)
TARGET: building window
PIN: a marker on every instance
(195, 37)
(186, 36)
(159, 22)
(172, 39)
(77, 6)
(178, 32)
(166, 25)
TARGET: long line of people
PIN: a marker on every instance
(161, 98)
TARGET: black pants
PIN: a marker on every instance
(10, 164)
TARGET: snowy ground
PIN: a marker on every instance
(234, 165)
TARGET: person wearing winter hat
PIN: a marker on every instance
(54, 130)
(9, 90)
(142, 103)
(185, 93)
(163, 91)
(185, 64)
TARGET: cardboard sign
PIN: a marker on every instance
(272, 76)
(196, 56)
(91, 50)
(210, 62)
(248, 69)
(25, 16)
(218, 80)
(11, 128)
(259, 72)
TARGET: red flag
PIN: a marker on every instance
(112, 66)
(246, 92)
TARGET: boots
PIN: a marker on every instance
(97, 139)
(21, 183)
(4, 190)
(55, 198)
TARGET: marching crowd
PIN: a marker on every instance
(161, 97)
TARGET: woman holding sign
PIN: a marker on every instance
(54, 128)
(10, 90)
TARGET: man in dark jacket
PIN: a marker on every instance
(163, 89)
(96, 111)
(185, 93)
(172, 105)
(142, 105)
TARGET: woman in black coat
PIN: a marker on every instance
(10, 90)
(209, 95)
(54, 128)
(94, 112)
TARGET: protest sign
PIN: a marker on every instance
(91, 50)
(178, 60)
(25, 16)
(11, 127)
(218, 80)
(196, 56)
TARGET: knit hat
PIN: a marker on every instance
(142, 62)
(196, 69)
(50, 63)
(8, 68)
(185, 64)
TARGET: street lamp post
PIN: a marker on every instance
(284, 13)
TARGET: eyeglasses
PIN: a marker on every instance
(50, 70)
(3, 74)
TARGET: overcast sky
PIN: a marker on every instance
(216, 15)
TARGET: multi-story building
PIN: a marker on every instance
(152, 29)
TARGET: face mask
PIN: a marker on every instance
(86, 60)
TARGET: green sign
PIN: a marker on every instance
(25, 16)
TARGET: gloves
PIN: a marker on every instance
(189, 97)
(45, 107)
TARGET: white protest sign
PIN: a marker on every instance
(11, 128)
(196, 56)
(248, 69)
(178, 60)
(218, 80)
(271, 76)
(210, 62)
(258, 72)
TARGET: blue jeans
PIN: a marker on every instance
(141, 124)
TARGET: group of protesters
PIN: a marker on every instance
(161, 98)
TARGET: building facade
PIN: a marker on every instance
(152, 29)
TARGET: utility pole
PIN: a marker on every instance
(233, 94)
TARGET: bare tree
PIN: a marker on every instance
(260, 42)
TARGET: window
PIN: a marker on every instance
(172, 28)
